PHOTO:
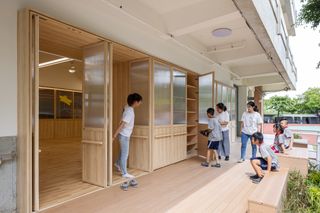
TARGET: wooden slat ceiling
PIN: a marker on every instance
(62, 39)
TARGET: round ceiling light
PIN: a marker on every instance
(72, 69)
(221, 32)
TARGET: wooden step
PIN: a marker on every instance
(295, 159)
(269, 194)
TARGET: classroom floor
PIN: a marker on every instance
(60, 172)
(160, 190)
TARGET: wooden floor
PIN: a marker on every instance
(60, 172)
(117, 178)
(169, 187)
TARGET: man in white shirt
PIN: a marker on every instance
(124, 132)
(251, 122)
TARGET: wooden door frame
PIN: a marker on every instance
(27, 67)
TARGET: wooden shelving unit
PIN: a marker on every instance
(192, 114)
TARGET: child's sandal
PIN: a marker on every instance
(218, 165)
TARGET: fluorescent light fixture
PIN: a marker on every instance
(221, 32)
(53, 62)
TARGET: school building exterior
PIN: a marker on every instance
(227, 51)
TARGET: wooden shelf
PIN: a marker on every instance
(191, 99)
(190, 144)
(189, 126)
(191, 112)
(193, 134)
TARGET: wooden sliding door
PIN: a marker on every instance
(95, 137)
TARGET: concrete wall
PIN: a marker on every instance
(7, 176)
(277, 33)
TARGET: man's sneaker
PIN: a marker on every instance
(227, 158)
(117, 167)
(128, 176)
(205, 164)
(241, 160)
(218, 165)
(219, 157)
(257, 180)
(254, 176)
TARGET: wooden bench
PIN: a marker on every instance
(269, 194)
(295, 159)
(227, 193)
(302, 143)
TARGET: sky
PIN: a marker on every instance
(306, 54)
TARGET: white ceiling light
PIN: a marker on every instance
(221, 32)
(53, 62)
(72, 69)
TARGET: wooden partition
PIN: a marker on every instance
(60, 128)
(169, 145)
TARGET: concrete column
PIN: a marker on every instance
(242, 104)
(258, 99)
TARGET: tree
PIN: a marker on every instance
(311, 100)
(310, 13)
(280, 104)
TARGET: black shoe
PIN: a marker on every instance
(257, 180)
(254, 177)
(227, 158)
(205, 164)
(219, 157)
(218, 165)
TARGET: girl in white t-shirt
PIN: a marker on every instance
(251, 122)
(223, 118)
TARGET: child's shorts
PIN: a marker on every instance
(264, 164)
(213, 145)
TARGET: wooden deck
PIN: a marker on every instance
(167, 188)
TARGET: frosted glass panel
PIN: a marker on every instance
(162, 94)
(225, 95)
(77, 105)
(179, 97)
(94, 90)
(139, 83)
(214, 93)
(205, 97)
(219, 93)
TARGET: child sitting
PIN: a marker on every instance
(214, 137)
(287, 133)
(279, 139)
(268, 160)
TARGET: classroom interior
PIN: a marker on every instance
(84, 81)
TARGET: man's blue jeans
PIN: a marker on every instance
(244, 143)
(124, 153)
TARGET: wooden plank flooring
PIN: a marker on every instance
(165, 188)
(61, 172)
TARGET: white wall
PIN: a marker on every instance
(8, 67)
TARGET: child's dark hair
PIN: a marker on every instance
(283, 119)
(221, 106)
(258, 136)
(277, 126)
(210, 111)
(133, 98)
(255, 108)
(251, 103)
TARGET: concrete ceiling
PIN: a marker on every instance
(190, 22)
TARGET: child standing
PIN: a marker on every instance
(287, 133)
(279, 139)
(214, 138)
(124, 132)
(268, 160)
(223, 118)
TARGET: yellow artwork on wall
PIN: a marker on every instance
(65, 99)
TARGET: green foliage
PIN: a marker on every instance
(307, 103)
(297, 136)
(311, 98)
(303, 194)
(310, 13)
(297, 194)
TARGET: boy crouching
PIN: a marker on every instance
(268, 160)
